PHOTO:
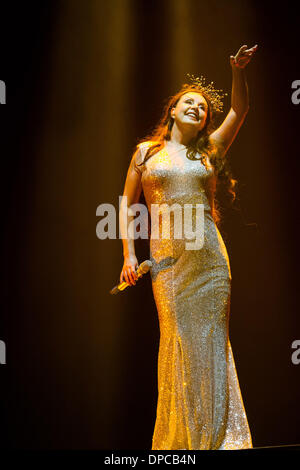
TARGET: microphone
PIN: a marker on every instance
(142, 269)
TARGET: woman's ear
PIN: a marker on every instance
(172, 112)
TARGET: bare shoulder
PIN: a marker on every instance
(138, 157)
(145, 145)
(142, 149)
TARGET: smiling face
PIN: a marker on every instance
(191, 110)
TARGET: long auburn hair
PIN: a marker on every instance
(200, 144)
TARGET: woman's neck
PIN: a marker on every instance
(178, 137)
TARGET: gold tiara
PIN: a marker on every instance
(215, 96)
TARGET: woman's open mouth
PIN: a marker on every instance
(193, 115)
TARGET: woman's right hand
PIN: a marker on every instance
(128, 273)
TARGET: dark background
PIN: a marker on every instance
(85, 81)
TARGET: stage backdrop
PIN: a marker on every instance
(84, 82)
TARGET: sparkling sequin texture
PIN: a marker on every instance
(199, 406)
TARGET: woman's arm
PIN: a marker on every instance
(223, 137)
(131, 195)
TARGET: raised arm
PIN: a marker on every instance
(131, 195)
(223, 137)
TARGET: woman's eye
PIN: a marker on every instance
(200, 106)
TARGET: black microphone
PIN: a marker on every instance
(141, 270)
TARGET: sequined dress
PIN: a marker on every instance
(199, 405)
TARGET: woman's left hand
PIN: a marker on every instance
(243, 57)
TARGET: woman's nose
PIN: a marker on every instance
(194, 110)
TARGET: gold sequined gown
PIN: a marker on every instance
(199, 399)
